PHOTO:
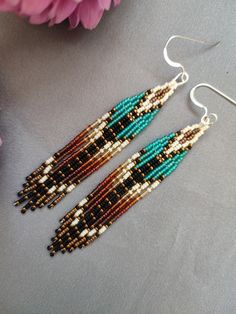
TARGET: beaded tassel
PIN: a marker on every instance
(125, 186)
(92, 148)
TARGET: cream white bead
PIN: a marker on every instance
(106, 115)
(49, 160)
(74, 222)
(81, 203)
(70, 188)
(97, 135)
(83, 233)
(145, 185)
(177, 147)
(102, 125)
(61, 188)
(53, 188)
(92, 232)
(130, 165)
(133, 189)
(47, 169)
(125, 143)
(116, 144)
(43, 179)
(135, 156)
(136, 186)
(186, 144)
(78, 213)
(155, 184)
(126, 175)
(180, 137)
(103, 229)
(107, 145)
(173, 84)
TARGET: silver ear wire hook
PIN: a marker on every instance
(208, 118)
(182, 75)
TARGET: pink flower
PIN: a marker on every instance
(86, 12)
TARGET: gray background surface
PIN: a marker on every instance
(174, 252)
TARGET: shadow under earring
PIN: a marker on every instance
(97, 144)
(129, 183)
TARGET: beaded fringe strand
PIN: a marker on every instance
(92, 148)
(125, 186)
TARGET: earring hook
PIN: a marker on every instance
(184, 76)
(211, 117)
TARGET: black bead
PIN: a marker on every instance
(137, 176)
(100, 142)
(105, 204)
(83, 156)
(108, 134)
(112, 197)
(120, 189)
(91, 149)
(129, 182)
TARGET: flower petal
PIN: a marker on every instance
(39, 18)
(34, 7)
(104, 4)
(64, 10)
(10, 5)
(74, 19)
(90, 13)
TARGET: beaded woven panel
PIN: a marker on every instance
(130, 182)
(92, 148)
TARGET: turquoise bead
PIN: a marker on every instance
(128, 100)
(140, 123)
(124, 132)
(154, 172)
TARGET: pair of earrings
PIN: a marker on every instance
(97, 144)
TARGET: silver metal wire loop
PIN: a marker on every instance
(208, 118)
(183, 76)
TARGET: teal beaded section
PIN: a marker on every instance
(148, 157)
(138, 125)
(142, 124)
(132, 99)
(167, 167)
(177, 161)
(159, 141)
(154, 148)
(124, 107)
(159, 170)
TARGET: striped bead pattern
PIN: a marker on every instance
(92, 148)
(125, 186)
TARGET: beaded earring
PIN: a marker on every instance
(129, 183)
(97, 144)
